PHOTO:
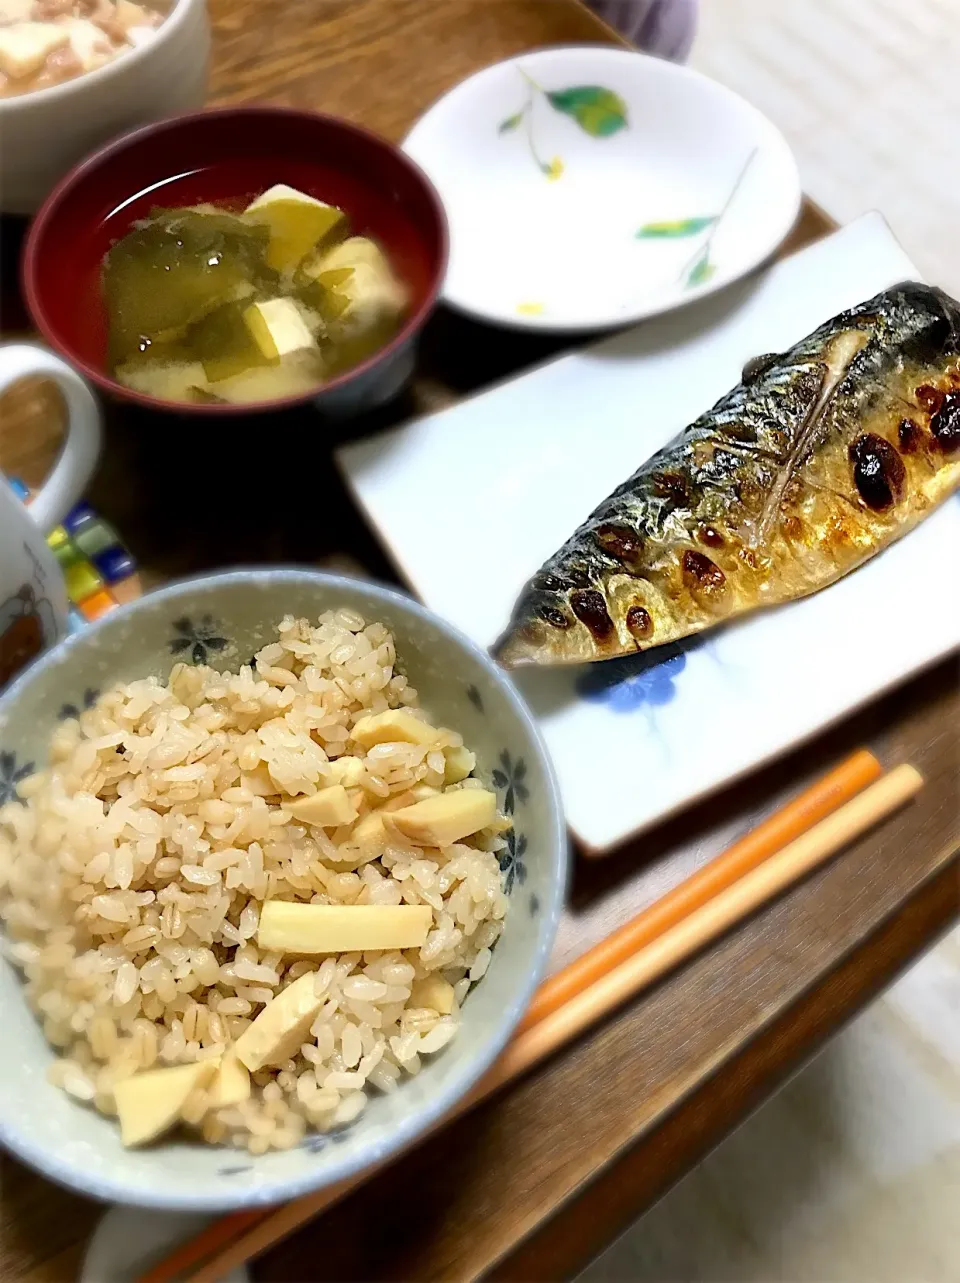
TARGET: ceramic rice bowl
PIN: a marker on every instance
(459, 687)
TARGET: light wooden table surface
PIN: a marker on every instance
(605, 1128)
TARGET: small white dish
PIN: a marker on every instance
(502, 479)
(588, 187)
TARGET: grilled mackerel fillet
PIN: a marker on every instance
(820, 458)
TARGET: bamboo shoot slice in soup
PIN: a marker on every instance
(297, 224)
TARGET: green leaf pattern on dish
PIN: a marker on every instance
(702, 269)
(699, 267)
(599, 112)
(676, 228)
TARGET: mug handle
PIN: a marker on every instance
(81, 442)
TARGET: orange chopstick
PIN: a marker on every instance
(807, 809)
(203, 1245)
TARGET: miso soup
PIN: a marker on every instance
(208, 304)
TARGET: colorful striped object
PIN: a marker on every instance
(98, 570)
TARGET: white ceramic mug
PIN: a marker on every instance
(33, 598)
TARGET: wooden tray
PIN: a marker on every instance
(650, 1092)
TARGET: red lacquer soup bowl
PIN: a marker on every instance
(228, 157)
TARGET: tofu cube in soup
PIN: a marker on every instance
(368, 300)
(279, 328)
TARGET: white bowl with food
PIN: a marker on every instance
(75, 73)
(281, 861)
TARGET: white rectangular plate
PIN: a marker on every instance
(469, 502)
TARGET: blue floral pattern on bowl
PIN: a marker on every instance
(202, 640)
(512, 866)
(508, 778)
(87, 700)
(11, 775)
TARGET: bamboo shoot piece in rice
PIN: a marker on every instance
(306, 929)
(348, 771)
(395, 726)
(231, 1084)
(282, 1026)
(328, 808)
(150, 1104)
(439, 821)
(370, 833)
(435, 993)
(460, 763)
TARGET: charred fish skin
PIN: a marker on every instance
(819, 459)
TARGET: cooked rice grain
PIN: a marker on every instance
(132, 876)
